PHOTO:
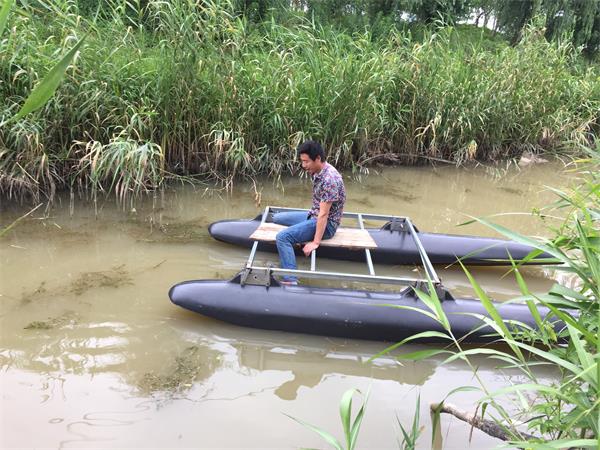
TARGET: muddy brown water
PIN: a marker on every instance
(93, 354)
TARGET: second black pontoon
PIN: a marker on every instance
(393, 243)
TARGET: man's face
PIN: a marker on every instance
(309, 165)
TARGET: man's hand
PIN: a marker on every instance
(308, 248)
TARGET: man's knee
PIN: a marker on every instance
(283, 237)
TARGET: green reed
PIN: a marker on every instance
(351, 427)
(560, 413)
(217, 96)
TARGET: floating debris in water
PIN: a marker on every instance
(510, 190)
(53, 322)
(40, 325)
(188, 367)
(170, 232)
(115, 277)
(46, 228)
(402, 194)
(27, 297)
(364, 201)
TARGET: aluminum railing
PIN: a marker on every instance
(432, 275)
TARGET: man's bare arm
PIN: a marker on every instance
(324, 208)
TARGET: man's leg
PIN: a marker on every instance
(286, 239)
(289, 218)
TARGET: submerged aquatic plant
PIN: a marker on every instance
(9, 227)
(67, 318)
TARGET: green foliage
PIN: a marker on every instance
(514, 15)
(125, 167)
(351, 427)
(4, 11)
(577, 21)
(563, 412)
(410, 437)
(15, 165)
(48, 85)
(448, 11)
(223, 96)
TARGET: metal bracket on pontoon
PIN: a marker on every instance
(397, 224)
(441, 293)
(256, 276)
(262, 275)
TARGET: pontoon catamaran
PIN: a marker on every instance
(254, 298)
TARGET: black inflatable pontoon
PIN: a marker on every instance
(336, 312)
(396, 246)
(255, 299)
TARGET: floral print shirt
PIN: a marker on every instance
(328, 186)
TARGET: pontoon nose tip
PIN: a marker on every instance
(173, 295)
(216, 229)
(180, 296)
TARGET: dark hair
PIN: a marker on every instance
(312, 149)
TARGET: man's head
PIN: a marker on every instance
(312, 156)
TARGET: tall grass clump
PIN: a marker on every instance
(534, 412)
(218, 96)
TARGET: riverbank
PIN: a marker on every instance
(202, 93)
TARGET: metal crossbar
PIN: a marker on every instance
(367, 251)
(314, 273)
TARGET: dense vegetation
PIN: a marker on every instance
(163, 89)
(573, 20)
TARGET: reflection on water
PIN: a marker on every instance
(92, 353)
(308, 366)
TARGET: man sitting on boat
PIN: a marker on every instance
(325, 215)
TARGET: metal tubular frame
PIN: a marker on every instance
(367, 251)
(371, 278)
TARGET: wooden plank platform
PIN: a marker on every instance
(353, 238)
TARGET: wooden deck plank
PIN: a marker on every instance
(353, 238)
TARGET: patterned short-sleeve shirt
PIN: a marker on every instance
(328, 186)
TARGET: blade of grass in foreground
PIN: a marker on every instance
(46, 88)
(493, 312)
(324, 434)
(4, 11)
(9, 227)
(351, 429)
(554, 252)
(559, 444)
